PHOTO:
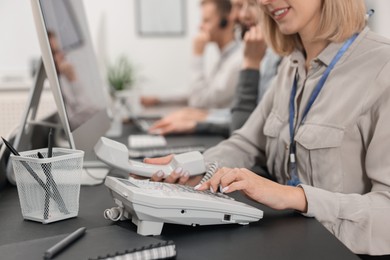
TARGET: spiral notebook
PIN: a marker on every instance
(98, 243)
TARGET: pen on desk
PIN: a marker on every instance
(52, 251)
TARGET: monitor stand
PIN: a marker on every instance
(23, 138)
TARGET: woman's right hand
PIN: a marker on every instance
(255, 47)
(200, 41)
(178, 175)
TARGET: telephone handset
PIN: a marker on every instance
(116, 154)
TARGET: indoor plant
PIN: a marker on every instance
(121, 74)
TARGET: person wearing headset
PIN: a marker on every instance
(214, 90)
(251, 86)
(322, 129)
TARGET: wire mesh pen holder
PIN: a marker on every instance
(48, 188)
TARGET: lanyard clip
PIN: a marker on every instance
(294, 180)
(292, 158)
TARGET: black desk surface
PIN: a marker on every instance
(279, 235)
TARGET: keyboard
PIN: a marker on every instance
(146, 141)
(151, 204)
(162, 151)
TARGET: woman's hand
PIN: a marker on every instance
(149, 101)
(260, 189)
(181, 121)
(255, 48)
(177, 176)
(166, 126)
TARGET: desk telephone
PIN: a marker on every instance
(151, 204)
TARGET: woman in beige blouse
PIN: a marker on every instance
(331, 160)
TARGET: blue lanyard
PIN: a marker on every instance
(294, 180)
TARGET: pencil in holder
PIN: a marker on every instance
(48, 188)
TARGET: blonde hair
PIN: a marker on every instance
(340, 19)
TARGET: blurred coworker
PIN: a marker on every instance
(217, 89)
(260, 65)
(251, 86)
(79, 104)
(236, 9)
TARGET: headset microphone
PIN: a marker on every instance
(370, 13)
(223, 23)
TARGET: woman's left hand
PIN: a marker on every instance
(260, 189)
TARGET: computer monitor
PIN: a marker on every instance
(72, 70)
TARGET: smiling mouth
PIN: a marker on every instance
(280, 13)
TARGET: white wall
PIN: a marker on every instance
(162, 63)
(18, 41)
(380, 21)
